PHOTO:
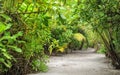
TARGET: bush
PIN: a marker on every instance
(102, 49)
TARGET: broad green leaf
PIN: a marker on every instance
(5, 37)
(3, 50)
(8, 56)
(7, 64)
(16, 49)
(8, 26)
(22, 42)
(2, 27)
(17, 35)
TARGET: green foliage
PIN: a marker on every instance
(102, 49)
(6, 47)
(78, 37)
(63, 35)
(66, 36)
(3, 27)
(8, 43)
(31, 28)
(38, 65)
(103, 16)
(75, 44)
(53, 46)
(77, 40)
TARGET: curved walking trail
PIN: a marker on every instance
(80, 63)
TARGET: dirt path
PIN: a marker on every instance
(80, 63)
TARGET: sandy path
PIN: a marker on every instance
(80, 63)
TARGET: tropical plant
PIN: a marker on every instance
(8, 44)
(30, 29)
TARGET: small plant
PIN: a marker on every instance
(39, 65)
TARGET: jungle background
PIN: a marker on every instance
(33, 30)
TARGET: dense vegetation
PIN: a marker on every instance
(104, 17)
(32, 30)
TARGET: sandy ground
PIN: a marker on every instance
(80, 63)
